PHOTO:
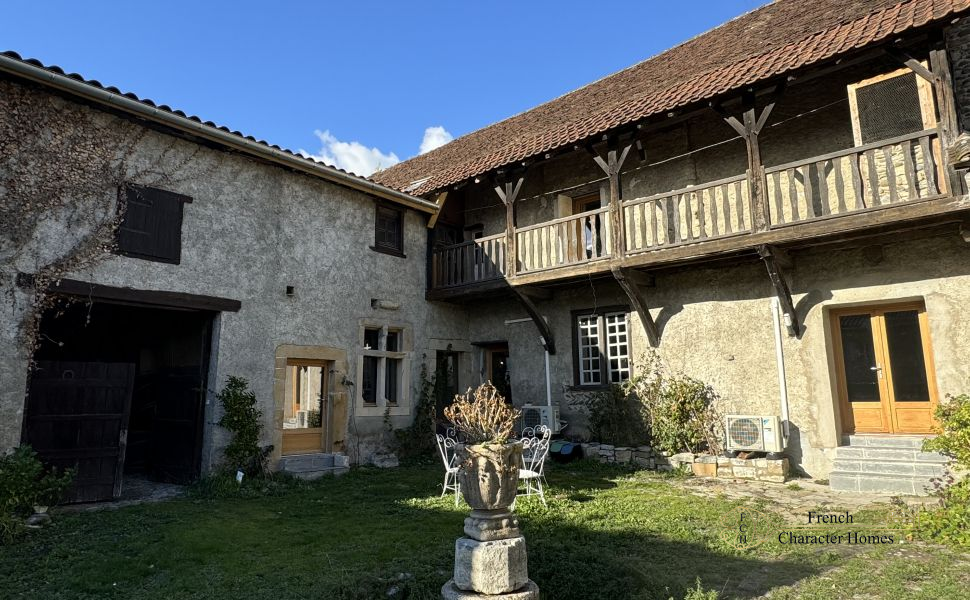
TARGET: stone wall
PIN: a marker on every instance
(646, 457)
(252, 230)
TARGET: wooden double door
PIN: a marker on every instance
(884, 365)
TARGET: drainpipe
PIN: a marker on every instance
(548, 377)
(780, 361)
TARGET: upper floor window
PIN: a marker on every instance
(890, 105)
(151, 228)
(601, 347)
(389, 230)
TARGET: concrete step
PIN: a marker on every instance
(914, 442)
(890, 467)
(880, 483)
(881, 453)
(314, 465)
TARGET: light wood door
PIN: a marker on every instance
(307, 413)
(884, 365)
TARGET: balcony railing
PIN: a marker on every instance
(571, 240)
(469, 262)
(712, 210)
(897, 170)
(887, 173)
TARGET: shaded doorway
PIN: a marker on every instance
(497, 369)
(152, 429)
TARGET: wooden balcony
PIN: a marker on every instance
(872, 187)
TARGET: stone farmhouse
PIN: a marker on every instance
(802, 165)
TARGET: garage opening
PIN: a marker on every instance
(118, 391)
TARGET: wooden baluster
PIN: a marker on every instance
(715, 228)
(677, 232)
(860, 198)
(726, 204)
(839, 184)
(887, 152)
(809, 192)
(823, 188)
(910, 171)
(796, 214)
(779, 208)
(590, 221)
(929, 165)
(742, 202)
(689, 214)
(873, 178)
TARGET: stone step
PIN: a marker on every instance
(298, 463)
(914, 442)
(882, 453)
(890, 467)
(873, 482)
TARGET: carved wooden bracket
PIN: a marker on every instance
(509, 192)
(632, 282)
(525, 295)
(777, 262)
(611, 165)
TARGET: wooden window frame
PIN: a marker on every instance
(382, 247)
(923, 88)
(125, 198)
(600, 313)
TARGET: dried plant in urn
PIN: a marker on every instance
(489, 468)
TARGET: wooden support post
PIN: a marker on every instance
(524, 296)
(753, 123)
(777, 262)
(949, 123)
(611, 165)
(632, 283)
(508, 192)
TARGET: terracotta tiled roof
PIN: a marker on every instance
(772, 40)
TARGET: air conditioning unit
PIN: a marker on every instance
(533, 416)
(754, 433)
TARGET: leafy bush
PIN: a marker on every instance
(482, 416)
(618, 417)
(675, 412)
(416, 442)
(244, 420)
(950, 523)
(25, 483)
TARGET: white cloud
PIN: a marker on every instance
(351, 156)
(434, 137)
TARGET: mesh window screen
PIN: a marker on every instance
(889, 108)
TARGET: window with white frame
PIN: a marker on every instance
(383, 367)
(601, 347)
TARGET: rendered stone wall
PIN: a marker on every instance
(251, 230)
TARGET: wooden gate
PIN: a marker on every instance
(77, 416)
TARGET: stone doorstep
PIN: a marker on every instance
(885, 441)
(869, 482)
(311, 475)
(890, 467)
(881, 453)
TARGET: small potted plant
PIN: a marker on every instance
(488, 471)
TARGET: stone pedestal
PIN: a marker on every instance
(491, 562)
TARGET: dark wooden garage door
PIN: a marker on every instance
(77, 416)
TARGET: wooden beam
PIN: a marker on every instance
(508, 192)
(949, 123)
(774, 260)
(611, 165)
(125, 295)
(535, 293)
(548, 341)
(440, 201)
(630, 282)
(916, 66)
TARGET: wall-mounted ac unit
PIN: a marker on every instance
(754, 433)
(533, 416)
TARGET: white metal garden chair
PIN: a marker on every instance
(534, 452)
(446, 448)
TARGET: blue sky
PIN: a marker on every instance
(356, 83)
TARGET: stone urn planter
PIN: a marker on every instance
(489, 474)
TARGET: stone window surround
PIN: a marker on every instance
(338, 359)
(403, 407)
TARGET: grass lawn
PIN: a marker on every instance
(385, 534)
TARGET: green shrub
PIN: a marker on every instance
(25, 483)
(950, 523)
(244, 421)
(416, 443)
(618, 417)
